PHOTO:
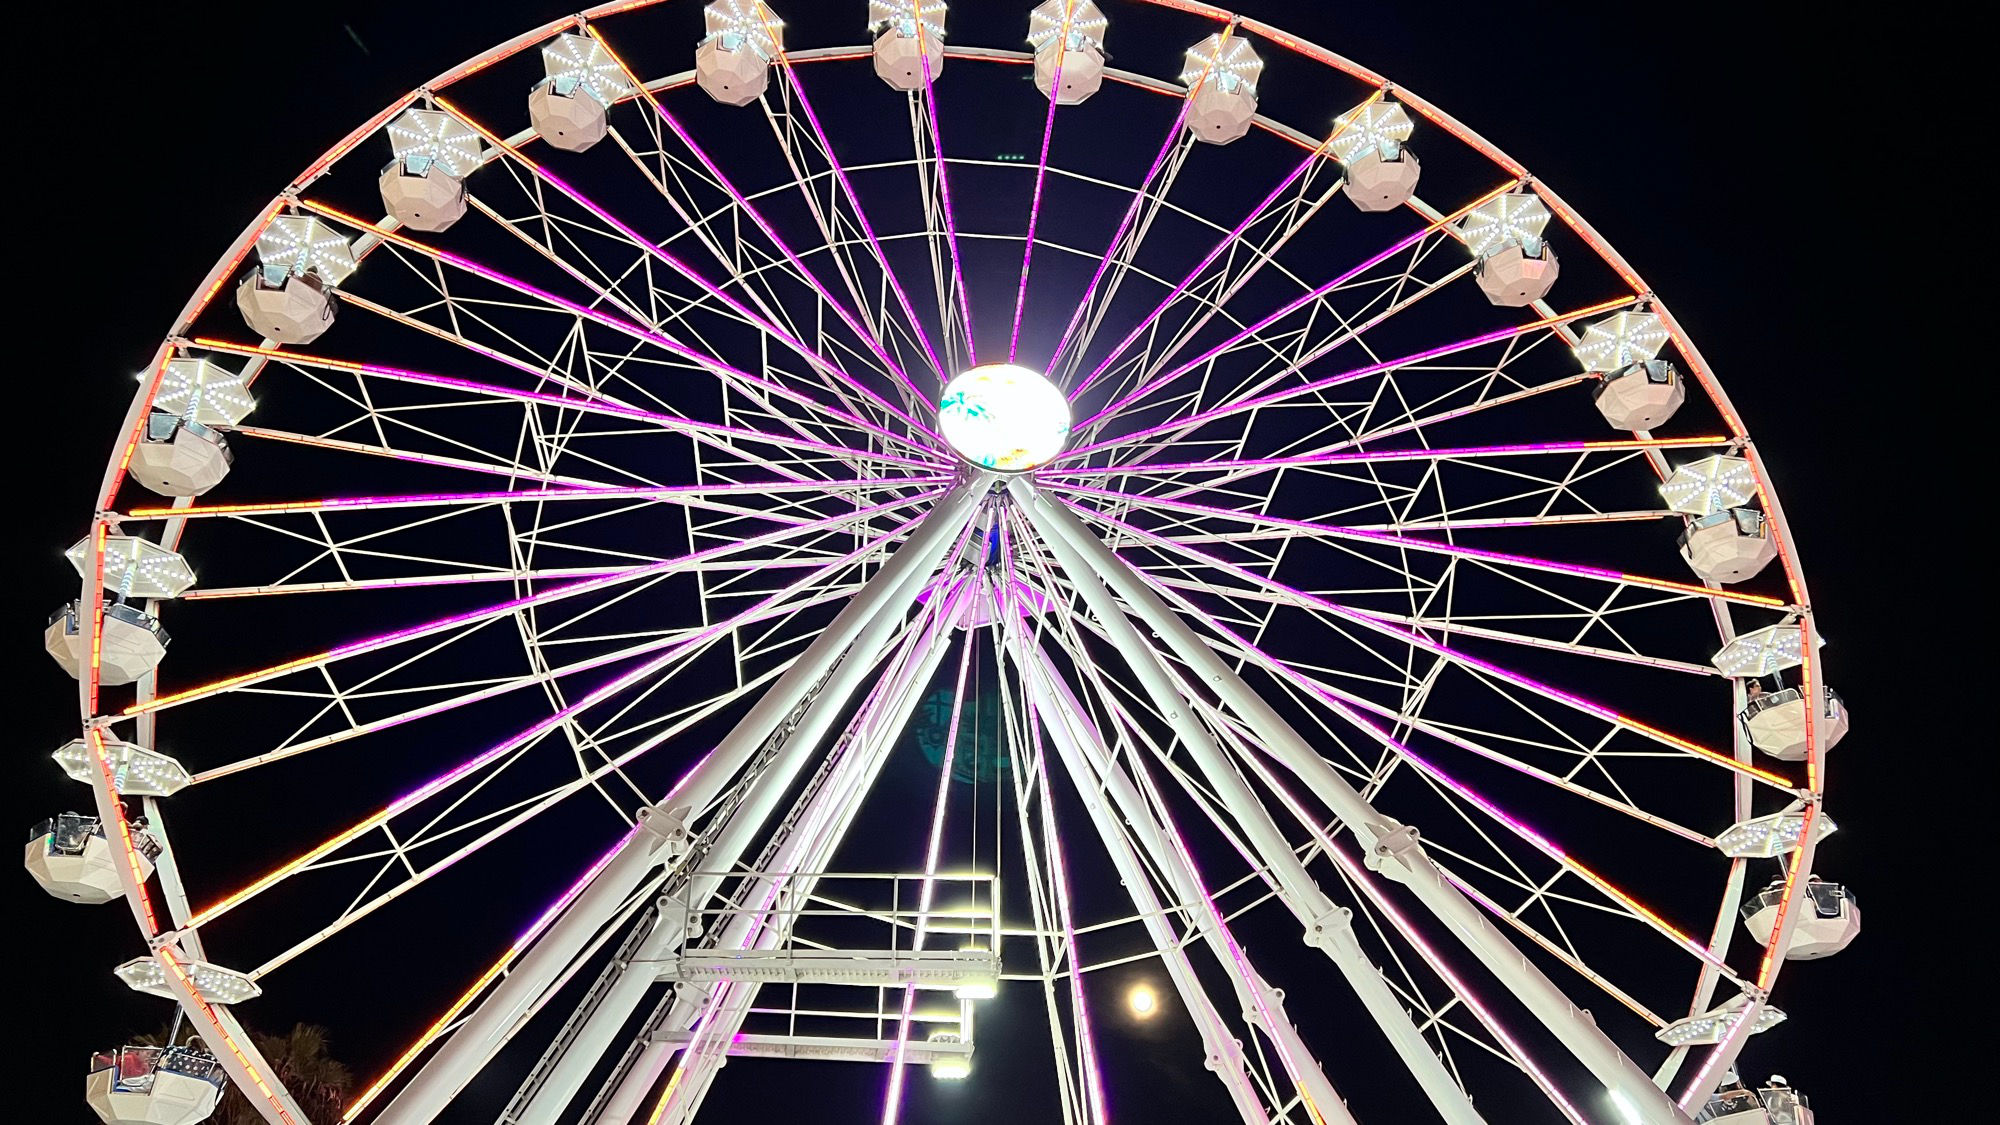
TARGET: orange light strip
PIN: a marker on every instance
(527, 938)
(1716, 756)
(194, 999)
(430, 1034)
(143, 902)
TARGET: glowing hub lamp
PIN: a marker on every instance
(1004, 417)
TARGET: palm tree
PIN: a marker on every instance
(318, 1082)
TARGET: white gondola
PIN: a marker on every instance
(288, 298)
(1731, 545)
(1221, 76)
(1737, 1104)
(733, 62)
(1381, 173)
(132, 643)
(566, 115)
(1829, 919)
(179, 456)
(1067, 35)
(423, 188)
(288, 308)
(1516, 266)
(154, 1085)
(71, 858)
(1640, 396)
(571, 107)
(1636, 389)
(1776, 722)
(909, 41)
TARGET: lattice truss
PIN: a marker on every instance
(573, 488)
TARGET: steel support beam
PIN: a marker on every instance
(1328, 927)
(825, 820)
(732, 839)
(1393, 849)
(662, 834)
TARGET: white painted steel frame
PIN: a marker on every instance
(252, 1074)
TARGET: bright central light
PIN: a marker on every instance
(1142, 1001)
(1004, 417)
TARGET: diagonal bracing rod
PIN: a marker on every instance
(1393, 847)
(661, 837)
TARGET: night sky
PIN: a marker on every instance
(1744, 164)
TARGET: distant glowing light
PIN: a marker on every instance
(1004, 417)
(1142, 1002)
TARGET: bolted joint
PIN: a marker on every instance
(1333, 928)
(669, 829)
(1395, 852)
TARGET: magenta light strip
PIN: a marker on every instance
(608, 492)
(1146, 322)
(664, 421)
(1271, 318)
(734, 305)
(1093, 1077)
(867, 229)
(944, 197)
(1335, 458)
(847, 316)
(1124, 224)
(1227, 409)
(534, 731)
(1035, 204)
(1403, 542)
(625, 327)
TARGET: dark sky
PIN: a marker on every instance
(1754, 168)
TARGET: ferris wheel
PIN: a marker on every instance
(727, 562)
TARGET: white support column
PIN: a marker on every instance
(1393, 847)
(1085, 758)
(1329, 927)
(662, 833)
(600, 1030)
(809, 849)
(823, 823)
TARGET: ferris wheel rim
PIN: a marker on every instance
(234, 258)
